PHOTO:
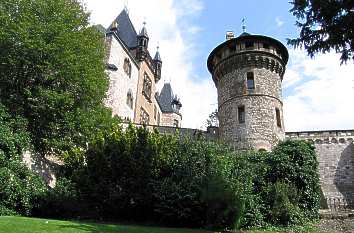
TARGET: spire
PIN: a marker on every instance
(157, 55)
(143, 31)
(243, 25)
(244, 33)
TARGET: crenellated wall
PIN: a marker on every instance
(335, 151)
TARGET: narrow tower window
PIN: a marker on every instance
(130, 99)
(241, 114)
(277, 114)
(250, 80)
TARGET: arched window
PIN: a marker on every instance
(130, 99)
(127, 67)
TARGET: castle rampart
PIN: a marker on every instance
(335, 151)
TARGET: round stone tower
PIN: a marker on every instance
(248, 72)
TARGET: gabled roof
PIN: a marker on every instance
(125, 29)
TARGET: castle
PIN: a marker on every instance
(247, 71)
(133, 75)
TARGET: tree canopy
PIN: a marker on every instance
(52, 70)
(325, 25)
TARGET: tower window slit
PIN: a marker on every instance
(277, 114)
(250, 80)
(241, 114)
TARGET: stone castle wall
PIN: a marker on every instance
(335, 151)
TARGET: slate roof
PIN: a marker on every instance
(157, 56)
(143, 32)
(126, 30)
(166, 98)
(244, 34)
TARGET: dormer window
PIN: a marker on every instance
(127, 67)
(112, 67)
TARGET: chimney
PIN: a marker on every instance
(230, 35)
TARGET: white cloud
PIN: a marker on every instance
(322, 93)
(279, 22)
(168, 24)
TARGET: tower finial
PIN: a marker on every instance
(243, 24)
(126, 2)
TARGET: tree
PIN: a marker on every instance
(213, 120)
(52, 71)
(325, 25)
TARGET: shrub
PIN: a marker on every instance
(295, 163)
(285, 207)
(20, 188)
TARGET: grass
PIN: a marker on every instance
(12, 224)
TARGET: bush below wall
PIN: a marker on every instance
(138, 175)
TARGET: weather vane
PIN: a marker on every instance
(244, 25)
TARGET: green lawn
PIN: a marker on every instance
(24, 225)
(11, 224)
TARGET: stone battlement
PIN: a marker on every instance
(323, 137)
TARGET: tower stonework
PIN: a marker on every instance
(248, 72)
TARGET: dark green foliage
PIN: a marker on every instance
(60, 201)
(137, 175)
(295, 162)
(285, 204)
(325, 25)
(52, 71)
(142, 176)
(19, 187)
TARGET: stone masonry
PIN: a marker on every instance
(248, 72)
(335, 151)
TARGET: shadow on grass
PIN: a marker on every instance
(111, 228)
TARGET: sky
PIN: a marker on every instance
(318, 93)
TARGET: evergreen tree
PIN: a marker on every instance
(325, 25)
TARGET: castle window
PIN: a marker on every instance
(144, 117)
(241, 114)
(111, 67)
(277, 114)
(127, 67)
(250, 80)
(175, 123)
(155, 112)
(130, 99)
(158, 118)
(249, 45)
(147, 87)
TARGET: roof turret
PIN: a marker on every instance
(143, 31)
(157, 55)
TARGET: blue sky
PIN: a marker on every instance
(318, 93)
